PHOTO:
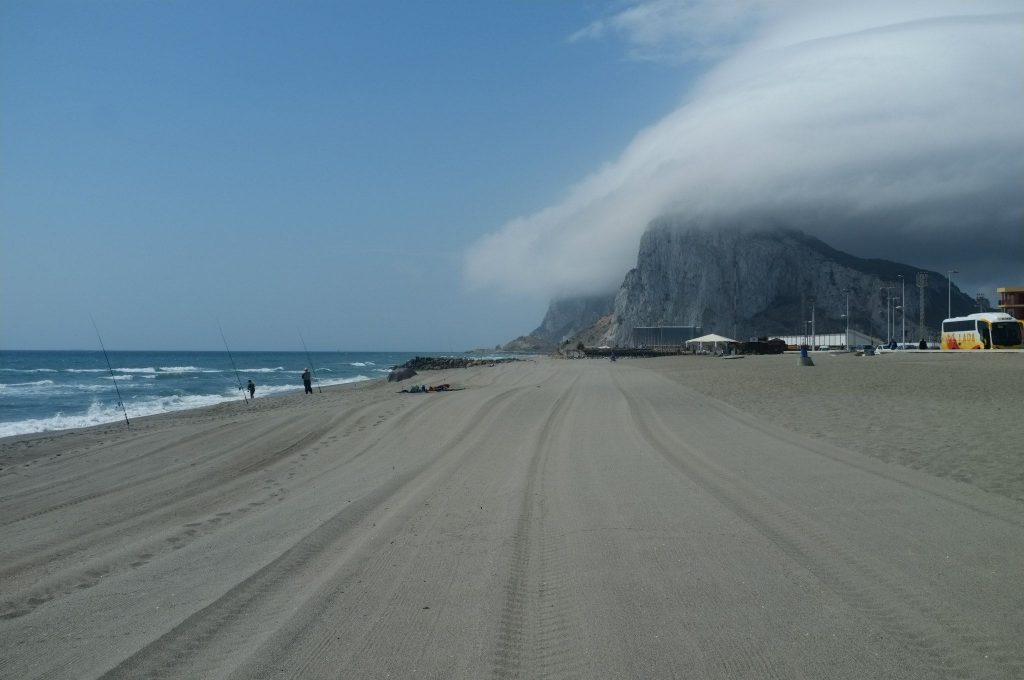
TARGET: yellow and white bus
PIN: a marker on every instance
(987, 330)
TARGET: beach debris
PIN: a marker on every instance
(445, 387)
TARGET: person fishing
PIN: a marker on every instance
(307, 381)
(252, 389)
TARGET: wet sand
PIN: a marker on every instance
(678, 517)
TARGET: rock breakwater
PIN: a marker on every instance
(442, 363)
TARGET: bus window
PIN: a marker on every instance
(983, 332)
(961, 326)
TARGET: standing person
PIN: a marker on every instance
(307, 381)
(252, 389)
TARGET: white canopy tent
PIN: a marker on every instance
(710, 339)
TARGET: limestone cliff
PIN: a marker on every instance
(750, 282)
(569, 317)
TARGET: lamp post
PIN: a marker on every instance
(899, 306)
(885, 291)
(885, 339)
(847, 315)
(949, 293)
(814, 333)
(894, 303)
(885, 333)
(888, 319)
(903, 312)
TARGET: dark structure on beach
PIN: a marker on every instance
(665, 336)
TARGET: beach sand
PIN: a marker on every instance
(675, 517)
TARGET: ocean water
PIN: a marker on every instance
(43, 391)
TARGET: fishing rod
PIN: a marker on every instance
(310, 360)
(237, 377)
(120, 402)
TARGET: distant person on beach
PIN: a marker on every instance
(307, 381)
(252, 389)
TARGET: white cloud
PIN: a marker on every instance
(855, 121)
(683, 30)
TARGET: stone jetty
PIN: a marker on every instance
(442, 363)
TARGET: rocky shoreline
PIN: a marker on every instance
(442, 363)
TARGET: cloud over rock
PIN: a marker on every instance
(886, 131)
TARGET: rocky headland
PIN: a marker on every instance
(751, 282)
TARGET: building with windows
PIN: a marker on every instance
(1011, 301)
(830, 340)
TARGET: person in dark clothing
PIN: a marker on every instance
(307, 381)
(922, 344)
(252, 389)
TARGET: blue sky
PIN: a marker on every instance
(374, 175)
(279, 166)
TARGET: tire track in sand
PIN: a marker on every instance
(191, 648)
(320, 638)
(191, 498)
(1004, 512)
(536, 632)
(194, 500)
(893, 606)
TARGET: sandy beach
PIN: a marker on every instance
(688, 517)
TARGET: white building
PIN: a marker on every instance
(831, 340)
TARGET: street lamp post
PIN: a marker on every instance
(899, 306)
(847, 315)
(895, 303)
(888, 333)
(903, 312)
(885, 291)
(814, 332)
(888, 319)
(949, 292)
